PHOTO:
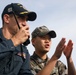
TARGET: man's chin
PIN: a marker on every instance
(46, 51)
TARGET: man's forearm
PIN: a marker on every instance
(49, 67)
(71, 68)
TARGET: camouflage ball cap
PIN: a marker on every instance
(42, 31)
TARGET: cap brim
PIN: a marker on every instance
(52, 34)
(31, 16)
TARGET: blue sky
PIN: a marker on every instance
(58, 15)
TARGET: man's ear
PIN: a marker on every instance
(33, 41)
(6, 18)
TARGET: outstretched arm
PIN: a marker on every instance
(52, 62)
(67, 52)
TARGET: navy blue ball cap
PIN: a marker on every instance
(19, 10)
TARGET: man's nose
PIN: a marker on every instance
(47, 40)
(24, 23)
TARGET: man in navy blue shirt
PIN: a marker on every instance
(14, 55)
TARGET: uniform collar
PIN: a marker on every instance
(38, 59)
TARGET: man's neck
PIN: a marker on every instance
(6, 33)
(41, 55)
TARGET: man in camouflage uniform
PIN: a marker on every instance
(39, 61)
(37, 64)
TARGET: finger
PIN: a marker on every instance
(70, 43)
(62, 43)
(68, 50)
(25, 26)
(64, 47)
(27, 33)
(25, 30)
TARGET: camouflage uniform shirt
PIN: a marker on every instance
(37, 64)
